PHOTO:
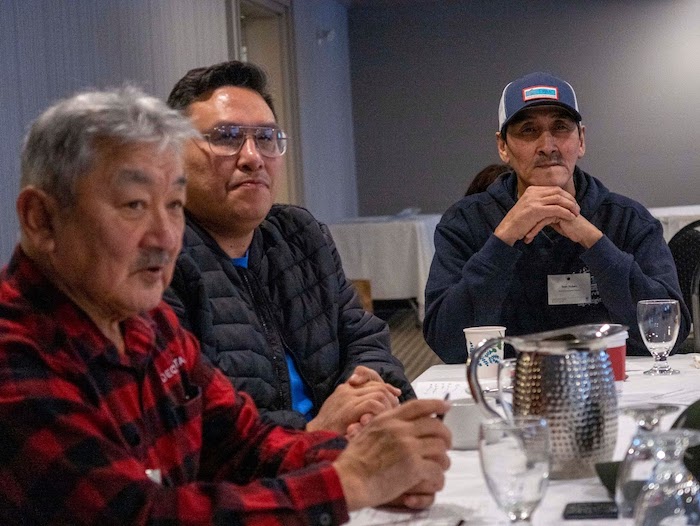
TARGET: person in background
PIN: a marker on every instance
(262, 285)
(109, 414)
(485, 177)
(547, 245)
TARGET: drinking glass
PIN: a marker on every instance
(515, 461)
(638, 463)
(659, 321)
(671, 497)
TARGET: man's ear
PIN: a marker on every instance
(502, 151)
(37, 212)
(582, 141)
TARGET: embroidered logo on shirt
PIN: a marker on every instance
(173, 369)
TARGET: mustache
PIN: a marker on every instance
(544, 160)
(153, 258)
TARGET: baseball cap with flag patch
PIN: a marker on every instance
(536, 89)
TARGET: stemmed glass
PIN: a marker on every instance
(659, 321)
(672, 495)
(638, 463)
(515, 461)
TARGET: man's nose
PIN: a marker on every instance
(165, 229)
(547, 142)
(250, 156)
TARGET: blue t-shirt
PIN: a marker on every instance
(301, 401)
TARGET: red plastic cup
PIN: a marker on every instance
(617, 352)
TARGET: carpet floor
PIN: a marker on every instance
(408, 345)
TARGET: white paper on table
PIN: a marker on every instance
(680, 396)
(437, 515)
(456, 390)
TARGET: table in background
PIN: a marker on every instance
(465, 495)
(393, 252)
(673, 218)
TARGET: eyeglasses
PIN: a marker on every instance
(226, 141)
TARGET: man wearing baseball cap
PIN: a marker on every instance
(546, 245)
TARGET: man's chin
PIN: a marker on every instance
(149, 303)
(552, 175)
(251, 211)
(150, 292)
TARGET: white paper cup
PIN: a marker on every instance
(475, 336)
(463, 420)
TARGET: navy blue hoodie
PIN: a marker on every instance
(477, 279)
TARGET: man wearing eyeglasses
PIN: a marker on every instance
(261, 285)
(546, 245)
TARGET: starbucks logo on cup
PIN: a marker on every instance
(475, 336)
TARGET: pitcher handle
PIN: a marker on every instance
(505, 367)
(473, 377)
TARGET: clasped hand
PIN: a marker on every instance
(540, 206)
(399, 458)
(354, 403)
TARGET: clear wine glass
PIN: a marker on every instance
(639, 461)
(659, 321)
(671, 497)
(515, 460)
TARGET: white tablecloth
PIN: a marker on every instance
(393, 253)
(465, 496)
(673, 218)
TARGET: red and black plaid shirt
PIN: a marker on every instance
(80, 425)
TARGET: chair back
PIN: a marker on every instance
(685, 249)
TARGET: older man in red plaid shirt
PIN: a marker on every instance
(108, 413)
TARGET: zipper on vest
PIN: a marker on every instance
(260, 304)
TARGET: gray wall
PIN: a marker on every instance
(51, 48)
(427, 78)
(327, 150)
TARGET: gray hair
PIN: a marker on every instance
(63, 143)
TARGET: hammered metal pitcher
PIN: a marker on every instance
(565, 376)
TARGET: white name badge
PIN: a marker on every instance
(569, 289)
